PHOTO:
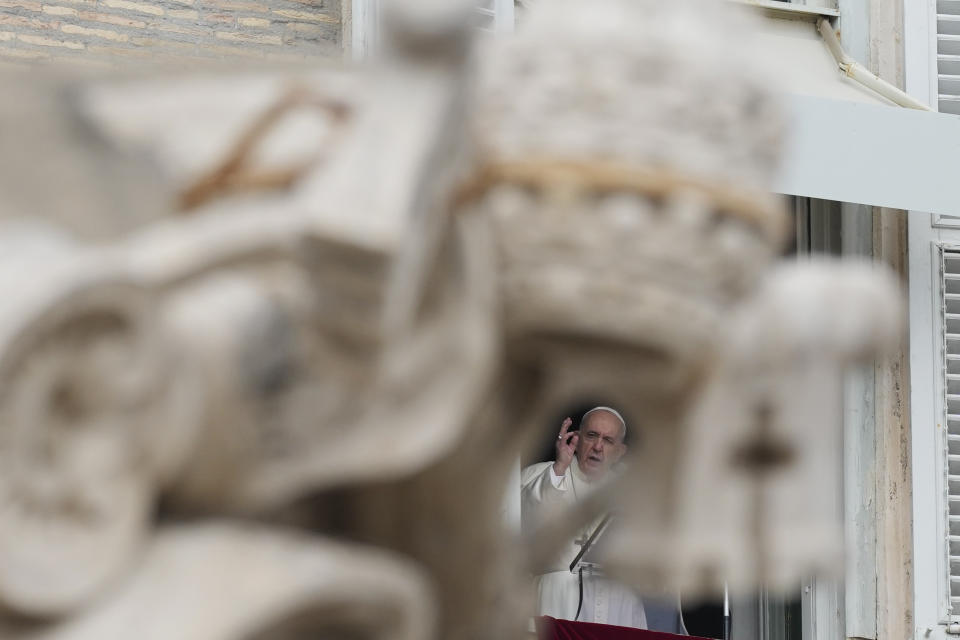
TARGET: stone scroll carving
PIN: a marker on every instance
(284, 399)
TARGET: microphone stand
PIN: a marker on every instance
(726, 612)
(590, 541)
(577, 565)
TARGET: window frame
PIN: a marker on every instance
(932, 617)
(365, 24)
(364, 28)
(926, 236)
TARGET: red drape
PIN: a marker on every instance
(552, 629)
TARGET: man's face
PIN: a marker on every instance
(600, 444)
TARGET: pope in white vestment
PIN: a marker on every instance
(585, 460)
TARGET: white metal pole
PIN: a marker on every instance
(726, 611)
(861, 74)
(505, 15)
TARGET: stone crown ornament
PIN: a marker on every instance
(627, 168)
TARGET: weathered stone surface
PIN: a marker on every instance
(357, 295)
(168, 32)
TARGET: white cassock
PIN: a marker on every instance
(557, 588)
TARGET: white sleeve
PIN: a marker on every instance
(541, 487)
(558, 482)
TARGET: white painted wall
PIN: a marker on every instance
(871, 154)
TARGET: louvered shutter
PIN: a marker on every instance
(950, 266)
(948, 55)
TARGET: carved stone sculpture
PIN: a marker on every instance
(288, 402)
(268, 584)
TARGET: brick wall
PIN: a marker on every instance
(107, 32)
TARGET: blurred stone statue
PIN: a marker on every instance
(271, 341)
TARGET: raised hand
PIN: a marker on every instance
(566, 447)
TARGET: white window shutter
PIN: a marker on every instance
(934, 294)
(950, 368)
(948, 56)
